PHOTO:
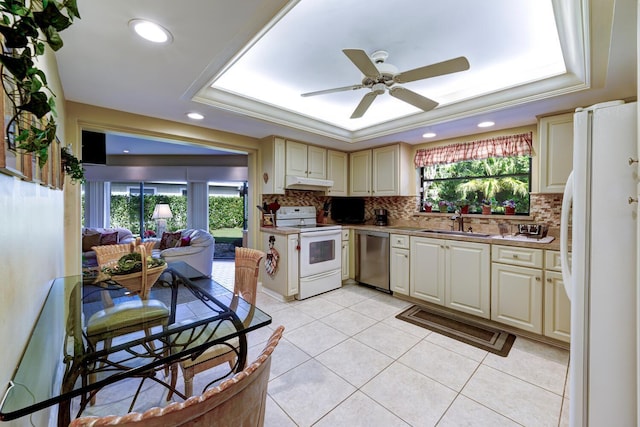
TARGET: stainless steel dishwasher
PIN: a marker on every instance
(372, 259)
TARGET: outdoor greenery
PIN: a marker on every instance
(224, 212)
(494, 180)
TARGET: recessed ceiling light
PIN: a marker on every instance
(429, 135)
(195, 116)
(150, 31)
(125, 151)
(487, 124)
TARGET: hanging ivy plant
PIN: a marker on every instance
(25, 26)
(71, 165)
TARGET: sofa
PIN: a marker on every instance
(193, 246)
(92, 236)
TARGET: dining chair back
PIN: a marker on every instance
(238, 401)
(245, 286)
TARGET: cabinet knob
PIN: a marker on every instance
(549, 279)
(632, 161)
(515, 255)
(631, 200)
(537, 279)
(406, 256)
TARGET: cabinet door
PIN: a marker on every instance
(293, 244)
(345, 260)
(385, 171)
(273, 166)
(467, 277)
(426, 266)
(516, 296)
(337, 164)
(556, 152)
(399, 271)
(316, 162)
(360, 173)
(557, 308)
(296, 159)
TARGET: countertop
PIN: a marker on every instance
(510, 240)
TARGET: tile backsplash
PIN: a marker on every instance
(545, 209)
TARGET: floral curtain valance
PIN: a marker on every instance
(502, 146)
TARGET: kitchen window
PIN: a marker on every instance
(496, 171)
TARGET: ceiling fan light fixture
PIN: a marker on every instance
(486, 124)
(151, 31)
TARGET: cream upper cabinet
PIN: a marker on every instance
(556, 152)
(306, 160)
(451, 273)
(516, 287)
(384, 171)
(337, 171)
(360, 173)
(273, 165)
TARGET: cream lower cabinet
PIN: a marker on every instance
(517, 287)
(345, 255)
(399, 264)
(451, 273)
(557, 306)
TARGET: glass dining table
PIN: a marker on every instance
(60, 363)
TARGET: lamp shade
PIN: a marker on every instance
(161, 211)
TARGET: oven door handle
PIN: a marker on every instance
(315, 234)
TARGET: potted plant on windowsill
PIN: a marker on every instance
(463, 206)
(509, 207)
(428, 205)
(444, 206)
(486, 207)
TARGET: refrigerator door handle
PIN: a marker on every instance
(565, 215)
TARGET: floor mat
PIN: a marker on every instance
(469, 332)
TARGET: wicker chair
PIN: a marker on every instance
(238, 401)
(247, 269)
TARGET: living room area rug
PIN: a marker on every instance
(464, 330)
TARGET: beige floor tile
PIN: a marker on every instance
(532, 366)
(360, 411)
(348, 322)
(268, 304)
(376, 309)
(440, 364)
(290, 318)
(514, 398)
(315, 337)
(286, 356)
(387, 340)
(308, 392)
(407, 327)
(564, 415)
(276, 417)
(416, 399)
(466, 350)
(349, 295)
(318, 307)
(465, 412)
(354, 361)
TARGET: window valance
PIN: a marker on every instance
(502, 146)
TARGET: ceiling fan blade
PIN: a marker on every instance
(364, 105)
(361, 60)
(413, 98)
(445, 67)
(338, 89)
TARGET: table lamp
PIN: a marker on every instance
(161, 213)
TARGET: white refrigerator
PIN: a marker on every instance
(600, 211)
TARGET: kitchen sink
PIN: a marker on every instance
(457, 233)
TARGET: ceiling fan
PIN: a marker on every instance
(380, 76)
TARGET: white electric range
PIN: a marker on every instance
(319, 250)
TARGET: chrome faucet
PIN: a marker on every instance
(457, 216)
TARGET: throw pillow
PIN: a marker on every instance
(109, 238)
(185, 241)
(170, 240)
(90, 240)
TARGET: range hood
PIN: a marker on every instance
(303, 183)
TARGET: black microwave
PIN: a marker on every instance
(347, 210)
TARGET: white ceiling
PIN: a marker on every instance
(295, 47)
